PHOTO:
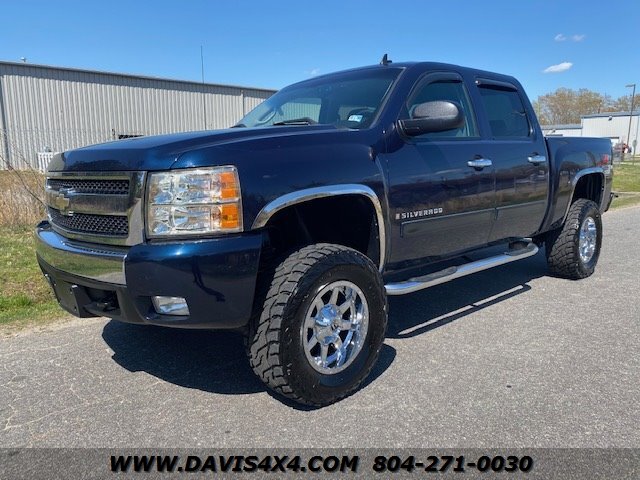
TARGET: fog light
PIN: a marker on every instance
(170, 305)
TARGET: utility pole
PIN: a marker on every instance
(635, 140)
(4, 133)
(633, 97)
(204, 94)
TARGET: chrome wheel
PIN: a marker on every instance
(335, 327)
(588, 239)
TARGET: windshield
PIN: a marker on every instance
(348, 100)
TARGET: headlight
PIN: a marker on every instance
(190, 202)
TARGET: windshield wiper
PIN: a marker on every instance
(239, 125)
(296, 121)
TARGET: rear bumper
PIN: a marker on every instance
(217, 277)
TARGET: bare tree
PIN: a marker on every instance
(566, 106)
(623, 104)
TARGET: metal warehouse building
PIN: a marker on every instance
(46, 109)
(614, 126)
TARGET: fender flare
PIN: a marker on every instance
(307, 194)
(574, 184)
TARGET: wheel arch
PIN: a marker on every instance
(588, 184)
(301, 197)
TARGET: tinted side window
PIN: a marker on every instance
(507, 116)
(451, 91)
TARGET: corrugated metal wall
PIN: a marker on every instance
(614, 127)
(47, 108)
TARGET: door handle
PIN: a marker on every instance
(480, 163)
(537, 159)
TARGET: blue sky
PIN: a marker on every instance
(271, 43)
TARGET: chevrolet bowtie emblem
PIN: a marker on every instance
(60, 200)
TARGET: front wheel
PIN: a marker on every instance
(574, 249)
(322, 325)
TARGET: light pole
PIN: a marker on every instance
(635, 140)
(633, 97)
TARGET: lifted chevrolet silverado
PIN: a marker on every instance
(295, 225)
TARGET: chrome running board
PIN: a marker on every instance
(451, 273)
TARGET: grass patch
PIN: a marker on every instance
(626, 179)
(626, 201)
(21, 195)
(25, 296)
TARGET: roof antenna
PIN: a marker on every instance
(385, 60)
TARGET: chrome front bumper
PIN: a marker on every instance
(216, 276)
(103, 264)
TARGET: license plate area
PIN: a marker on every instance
(71, 297)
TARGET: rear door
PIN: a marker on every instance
(518, 152)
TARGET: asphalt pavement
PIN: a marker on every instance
(509, 357)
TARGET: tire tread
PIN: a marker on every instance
(562, 247)
(264, 335)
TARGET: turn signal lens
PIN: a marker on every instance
(230, 216)
(229, 187)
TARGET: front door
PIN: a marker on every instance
(441, 185)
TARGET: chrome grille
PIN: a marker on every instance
(98, 187)
(97, 207)
(112, 225)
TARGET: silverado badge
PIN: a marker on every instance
(418, 213)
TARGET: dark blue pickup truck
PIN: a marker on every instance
(295, 224)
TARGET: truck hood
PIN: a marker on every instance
(161, 152)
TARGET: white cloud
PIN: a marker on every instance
(578, 37)
(561, 67)
(313, 72)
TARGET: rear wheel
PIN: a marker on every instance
(574, 249)
(322, 325)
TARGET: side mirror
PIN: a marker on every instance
(436, 116)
